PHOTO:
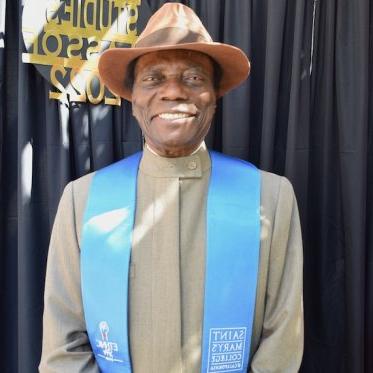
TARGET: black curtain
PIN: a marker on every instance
(303, 113)
(338, 262)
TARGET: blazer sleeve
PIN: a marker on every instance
(280, 347)
(66, 346)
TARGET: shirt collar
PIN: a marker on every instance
(191, 166)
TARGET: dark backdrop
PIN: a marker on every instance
(303, 113)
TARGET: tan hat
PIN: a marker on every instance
(174, 26)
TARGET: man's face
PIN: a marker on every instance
(173, 99)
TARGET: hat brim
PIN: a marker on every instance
(113, 64)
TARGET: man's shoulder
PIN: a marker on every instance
(270, 180)
(81, 185)
(275, 182)
(271, 184)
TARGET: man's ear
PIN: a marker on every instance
(132, 108)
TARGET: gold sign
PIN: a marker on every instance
(64, 39)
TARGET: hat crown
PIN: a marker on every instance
(173, 24)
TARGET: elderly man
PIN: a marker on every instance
(175, 259)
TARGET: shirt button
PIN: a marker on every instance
(192, 165)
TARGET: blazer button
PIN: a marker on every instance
(192, 165)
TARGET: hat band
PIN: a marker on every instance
(171, 36)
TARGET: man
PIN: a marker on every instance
(178, 227)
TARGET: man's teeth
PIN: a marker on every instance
(172, 116)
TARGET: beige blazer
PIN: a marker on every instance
(166, 284)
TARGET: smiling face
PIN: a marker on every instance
(173, 99)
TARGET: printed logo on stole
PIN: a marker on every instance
(226, 349)
(107, 347)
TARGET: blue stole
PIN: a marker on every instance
(231, 269)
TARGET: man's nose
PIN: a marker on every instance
(173, 89)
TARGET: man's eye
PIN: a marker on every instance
(194, 78)
(149, 79)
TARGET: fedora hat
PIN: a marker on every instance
(174, 26)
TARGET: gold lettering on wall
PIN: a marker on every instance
(73, 34)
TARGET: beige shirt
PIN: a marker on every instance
(167, 274)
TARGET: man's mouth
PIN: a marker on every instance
(175, 116)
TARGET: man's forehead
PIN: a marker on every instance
(181, 56)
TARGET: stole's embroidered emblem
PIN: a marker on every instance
(107, 347)
(226, 349)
